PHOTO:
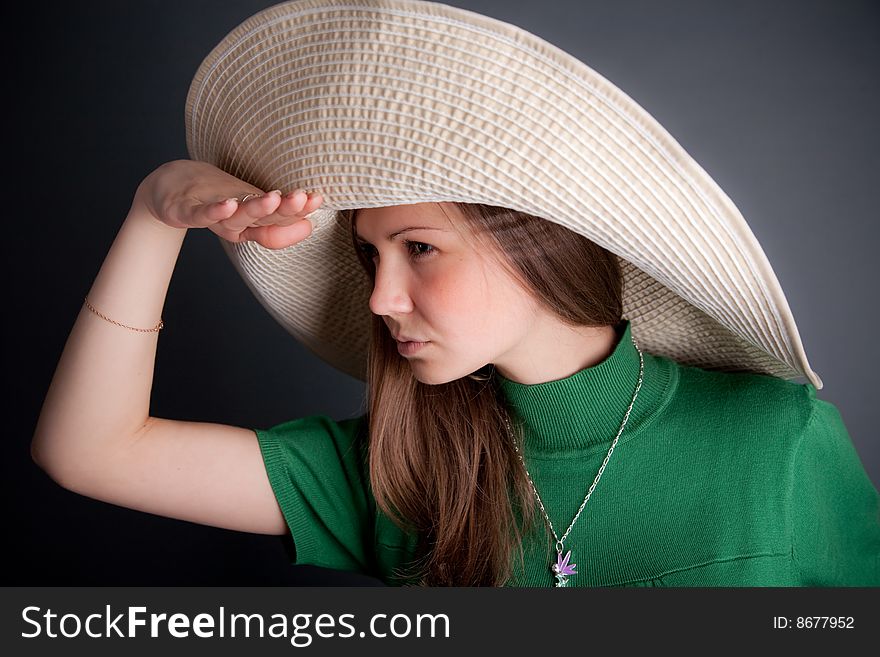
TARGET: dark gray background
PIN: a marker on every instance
(776, 99)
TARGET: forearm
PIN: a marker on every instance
(100, 393)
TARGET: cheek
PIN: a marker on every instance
(469, 301)
(509, 310)
(453, 290)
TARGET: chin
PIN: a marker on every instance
(433, 377)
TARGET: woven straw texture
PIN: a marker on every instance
(387, 102)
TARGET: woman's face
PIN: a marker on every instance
(435, 286)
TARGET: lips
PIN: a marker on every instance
(410, 348)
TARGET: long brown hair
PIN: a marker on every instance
(440, 460)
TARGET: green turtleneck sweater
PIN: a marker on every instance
(718, 479)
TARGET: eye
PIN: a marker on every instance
(417, 250)
(416, 253)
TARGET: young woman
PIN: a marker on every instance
(576, 354)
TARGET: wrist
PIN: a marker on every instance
(141, 215)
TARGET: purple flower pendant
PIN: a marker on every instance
(562, 569)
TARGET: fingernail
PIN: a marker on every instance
(276, 191)
(229, 200)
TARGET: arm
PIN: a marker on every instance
(94, 434)
(835, 507)
(100, 393)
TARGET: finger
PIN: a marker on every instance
(263, 205)
(309, 209)
(210, 213)
(288, 221)
(253, 209)
(292, 204)
(312, 201)
(278, 237)
(293, 207)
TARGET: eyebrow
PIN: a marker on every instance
(391, 236)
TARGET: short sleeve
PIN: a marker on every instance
(316, 468)
(835, 509)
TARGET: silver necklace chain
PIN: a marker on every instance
(560, 541)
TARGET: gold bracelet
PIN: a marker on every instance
(157, 328)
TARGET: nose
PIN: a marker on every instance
(390, 294)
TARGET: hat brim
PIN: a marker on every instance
(389, 102)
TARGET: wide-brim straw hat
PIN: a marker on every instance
(387, 102)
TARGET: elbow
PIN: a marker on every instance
(51, 465)
(37, 452)
(45, 444)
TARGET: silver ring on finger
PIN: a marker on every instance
(247, 196)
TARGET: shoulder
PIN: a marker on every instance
(739, 418)
(752, 401)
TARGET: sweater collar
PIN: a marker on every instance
(585, 409)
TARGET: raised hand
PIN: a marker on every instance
(192, 194)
